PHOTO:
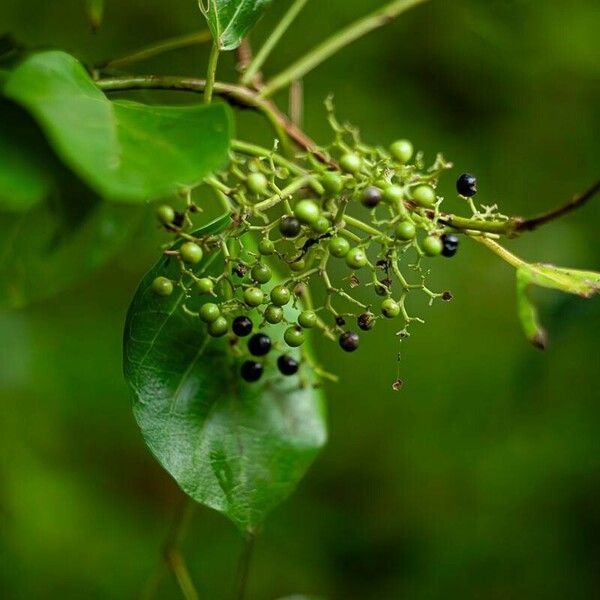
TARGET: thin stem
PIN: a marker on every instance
(174, 43)
(270, 43)
(463, 223)
(244, 567)
(211, 73)
(502, 252)
(337, 41)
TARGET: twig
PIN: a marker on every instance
(255, 65)
(174, 43)
(337, 41)
(211, 72)
(542, 219)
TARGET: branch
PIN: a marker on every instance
(542, 219)
(337, 41)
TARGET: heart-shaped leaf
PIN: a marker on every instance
(125, 151)
(230, 20)
(571, 281)
(237, 447)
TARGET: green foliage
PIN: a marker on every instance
(126, 151)
(230, 20)
(237, 448)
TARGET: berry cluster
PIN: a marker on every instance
(295, 225)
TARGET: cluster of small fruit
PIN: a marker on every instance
(364, 206)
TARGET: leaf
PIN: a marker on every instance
(572, 281)
(238, 448)
(230, 20)
(125, 151)
(66, 234)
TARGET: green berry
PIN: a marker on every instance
(321, 225)
(165, 214)
(351, 163)
(289, 226)
(424, 195)
(356, 258)
(402, 150)
(280, 295)
(405, 230)
(432, 245)
(253, 296)
(191, 252)
(261, 273)
(162, 286)
(205, 285)
(273, 314)
(257, 183)
(332, 182)
(307, 319)
(307, 211)
(218, 327)
(393, 194)
(390, 308)
(298, 265)
(339, 247)
(294, 336)
(266, 247)
(209, 312)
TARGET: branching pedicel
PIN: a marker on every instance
(292, 220)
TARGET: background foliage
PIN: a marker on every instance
(481, 478)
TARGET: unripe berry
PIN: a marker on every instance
(257, 183)
(298, 265)
(424, 195)
(261, 273)
(162, 286)
(332, 182)
(209, 312)
(280, 295)
(339, 247)
(191, 252)
(266, 247)
(294, 336)
(205, 285)
(402, 150)
(218, 327)
(356, 258)
(273, 314)
(390, 308)
(351, 163)
(393, 194)
(253, 296)
(307, 211)
(405, 230)
(432, 245)
(321, 225)
(165, 214)
(307, 319)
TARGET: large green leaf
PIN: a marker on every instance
(66, 233)
(571, 281)
(230, 20)
(125, 151)
(236, 447)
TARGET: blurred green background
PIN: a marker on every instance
(481, 478)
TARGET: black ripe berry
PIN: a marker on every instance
(178, 219)
(259, 344)
(289, 227)
(371, 197)
(466, 185)
(450, 244)
(366, 321)
(287, 365)
(349, 341)
(240, 270)
(340, 321)
(251, 370)
(241, 326)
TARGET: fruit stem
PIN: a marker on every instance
(211, 72)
